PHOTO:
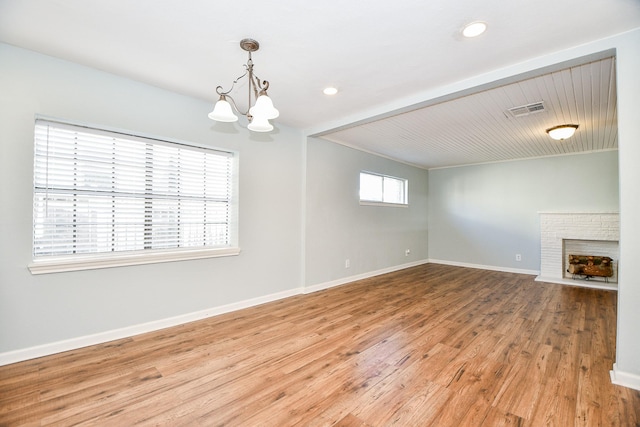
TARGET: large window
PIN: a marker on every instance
(102, 194)
(382, 189)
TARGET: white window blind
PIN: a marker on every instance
(384, 189)
(100, 192)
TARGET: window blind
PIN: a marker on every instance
(97, 191)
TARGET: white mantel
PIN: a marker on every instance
(556, 227)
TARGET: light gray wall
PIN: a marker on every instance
(36, 310)
(485, 214)
(339, 228)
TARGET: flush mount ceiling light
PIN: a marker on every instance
(330, 90)
(261, 112)
(474, 29)
(562, 132)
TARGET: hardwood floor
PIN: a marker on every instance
(431, 345)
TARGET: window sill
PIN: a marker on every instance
(92, 262)
(397, 205)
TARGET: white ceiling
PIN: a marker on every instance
(375, 52)
(478, 128)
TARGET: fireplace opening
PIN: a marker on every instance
(593, 260)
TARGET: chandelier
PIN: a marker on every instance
(261, 112)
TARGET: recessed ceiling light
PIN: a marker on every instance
(330, 90)
(474, 29)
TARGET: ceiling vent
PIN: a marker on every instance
(525, 110)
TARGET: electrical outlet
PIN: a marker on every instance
(347, 263)
(518, 257)
(407, 252)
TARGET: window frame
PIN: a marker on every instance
(94, 260)
(371, 202)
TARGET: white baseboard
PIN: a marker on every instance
(345, 280)
(21, 355)
(129, 331)
(100, 338)
(624, 379)
(485, 267)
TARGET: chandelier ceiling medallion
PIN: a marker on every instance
(261, 112)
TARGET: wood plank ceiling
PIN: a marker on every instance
(478, 128)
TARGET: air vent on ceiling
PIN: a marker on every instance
(525, 110)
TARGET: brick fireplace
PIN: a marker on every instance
(581, 233)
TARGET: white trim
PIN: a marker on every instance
(594, 284)
(524, 158)
(617, 377)
(102, 337)
(624, 379)
(345, 280)
(579, 213)
(89, 262)
(129, 331)
(386, 204)
(485, 267)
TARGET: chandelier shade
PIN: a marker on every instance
(260, 124)
(222, 112)
(264, 107)
(262, 110)
(562, 132)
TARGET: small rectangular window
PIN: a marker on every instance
(103, 193)
(384, 189)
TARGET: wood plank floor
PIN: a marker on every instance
(431, 345)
